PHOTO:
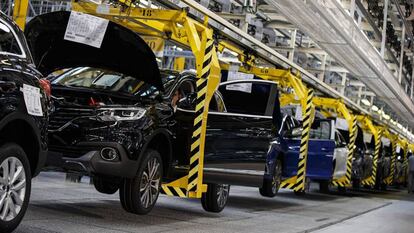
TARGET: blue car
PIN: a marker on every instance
(284, 153)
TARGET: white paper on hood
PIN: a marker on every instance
(243, 87)
(385, 141)
(86, 29)
(341, 124)
(367, 137)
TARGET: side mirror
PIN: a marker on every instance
(293, 133)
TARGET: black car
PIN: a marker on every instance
(119, 119)
(24, 107)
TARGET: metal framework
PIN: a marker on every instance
(329, 107)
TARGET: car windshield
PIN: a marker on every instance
(96, 78)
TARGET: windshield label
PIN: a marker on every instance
(32, 96)
(86, 29)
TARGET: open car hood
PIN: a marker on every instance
(122, 50)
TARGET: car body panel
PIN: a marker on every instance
(340, 158)
(17, 69)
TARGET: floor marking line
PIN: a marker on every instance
(344, 219)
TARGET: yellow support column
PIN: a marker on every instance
(20, 12)
(367, 124)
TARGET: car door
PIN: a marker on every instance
(321, 150)
(292, 146)
(238, 139)
(340, 156)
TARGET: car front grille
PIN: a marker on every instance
(63, 115)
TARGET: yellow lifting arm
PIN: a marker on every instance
(327, 105)
(368, 125)
(304, 96)
(20, 12)
(178, 27)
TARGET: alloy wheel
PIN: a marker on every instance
(222, 194)
(12, 188)
(150, 183)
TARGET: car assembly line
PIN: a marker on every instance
(86, 93)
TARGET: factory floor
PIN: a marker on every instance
(60, 206)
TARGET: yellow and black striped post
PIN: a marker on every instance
(195, 178)
(376, 158)
(351, 149)
(299, 184)
(393, 162)
(390, 179)
(372, 179)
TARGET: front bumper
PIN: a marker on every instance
(92, 163)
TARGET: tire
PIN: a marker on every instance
(216, 197)
(271, 187)
(73, 177)
(105, 186)
(139, 194)
(356, 184)
(324, 186)
(307, 188)
(341, 189)
(15, 193)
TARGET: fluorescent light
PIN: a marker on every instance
(374, 108)
(386, 117)
(366, 102)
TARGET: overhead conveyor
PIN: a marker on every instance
(368, 126)
(335, 107)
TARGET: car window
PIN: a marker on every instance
(184, 95)
(339, 139)
(252, 98)
(320, 130)
(217, 103)
(8, 42)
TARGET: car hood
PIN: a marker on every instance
(122, 50)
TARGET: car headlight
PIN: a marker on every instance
(121, 114)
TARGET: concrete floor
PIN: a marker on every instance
(58, 206)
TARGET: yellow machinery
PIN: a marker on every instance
(368, 126)
(334, 107)
(394, 140)
(303, 96)
(175, 25)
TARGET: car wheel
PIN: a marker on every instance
(15, 186)
(74, 178)
(271, 186)
(105, 186)
(356, 184)
(324, 186)
(307, 188)
(139, 194)
(215, 199)
(341, 189)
